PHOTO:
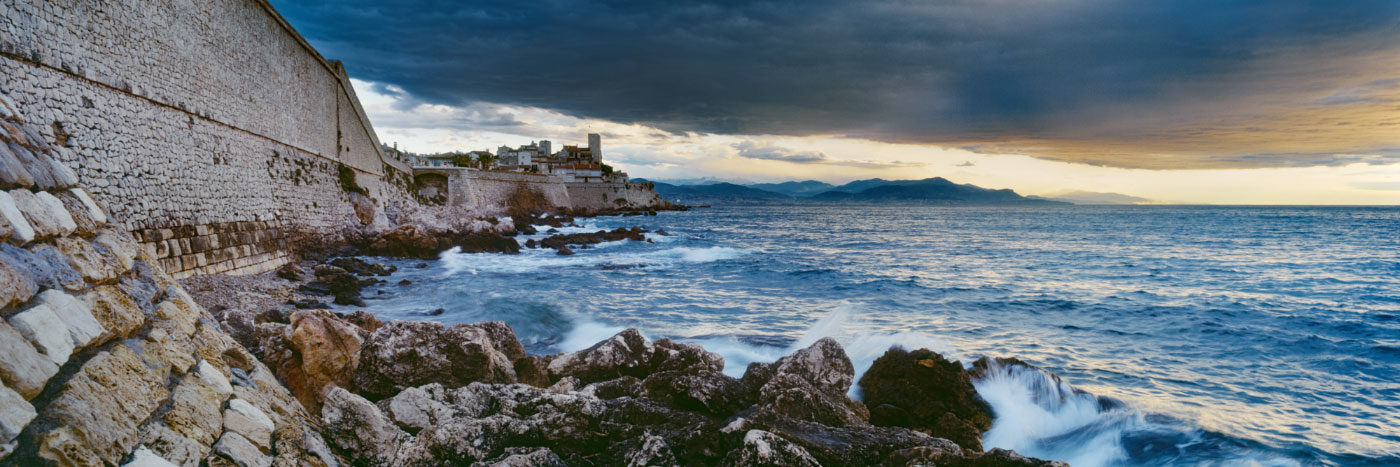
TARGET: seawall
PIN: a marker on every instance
(211, 130)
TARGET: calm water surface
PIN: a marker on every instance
(1229, 336)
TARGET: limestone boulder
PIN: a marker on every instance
(405, 354)
(94, 266)
(626, 354)
(12, 171)
(16, 287)
(24, 368)
(243, 418)
(114, 309)
(809, 385)
(143, 457)
(97, 412)
(119, 243)
(48, 220)
(15, 414)
(46, 332)
(357, 427)
(83, 328)
(327, 350)
(925, 392)
(44, 265)
(239, 451)
(13, 226)
(764, 449)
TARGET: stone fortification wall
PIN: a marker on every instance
(210, 129)
(595, 196)
(493, 191)
(104, 358)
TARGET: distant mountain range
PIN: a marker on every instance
(935, 190)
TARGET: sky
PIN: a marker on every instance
(1220, 101)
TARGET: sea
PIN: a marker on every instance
(1181, 335)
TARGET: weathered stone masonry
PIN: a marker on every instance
(208, 128)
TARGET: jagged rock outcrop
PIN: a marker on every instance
(810, 385)
(405, 354)
(923, 391)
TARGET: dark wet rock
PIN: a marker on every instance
(292, 272)
(309, 304)
(421, 266)
(414, 241)
(764, 449)
(531, 370)
(564, 251)
(359, 429)
(626, 386)
(662, 232)
(435, 312)
(322, 270)
(590, 238)
(361, 267)
(848, 445)
(925, 392)
(405, 282)
(809, 385)
(531, 243)
(704, 391)
(273, 316)
(364, 320)
(525, 229)
(404, 354)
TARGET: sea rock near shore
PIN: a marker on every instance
(810, 385)
(923, 391)
(405, 354)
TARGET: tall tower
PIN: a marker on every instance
(595, 147)
(545, 149)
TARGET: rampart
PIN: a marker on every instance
(211, 130)
(491, 191)
(599, 196)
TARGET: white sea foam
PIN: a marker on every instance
(537, 260)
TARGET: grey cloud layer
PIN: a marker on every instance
(894, 70)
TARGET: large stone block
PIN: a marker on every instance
(66, 225)
(23, 368)
(245, 419)
(93, 210)
(95, 267)
(44, 265)
(114, 309)
(41, 216)
(75, 315)
(15, 414)
(118, 242)
(42, 328)
(15, 286)
(98, 411)
(143, 457)
(13, 226)
(12, 172)
(38, 165)
(241, 452)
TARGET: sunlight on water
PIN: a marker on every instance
(1207, 336)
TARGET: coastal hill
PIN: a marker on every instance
(935, 190)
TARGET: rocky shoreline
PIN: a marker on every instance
(422, 393)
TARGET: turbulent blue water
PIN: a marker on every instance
(1252, 335)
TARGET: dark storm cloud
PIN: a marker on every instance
(752, 150)
(961, 72)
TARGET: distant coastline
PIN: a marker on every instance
(929, 191)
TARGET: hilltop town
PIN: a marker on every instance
(571, 164)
